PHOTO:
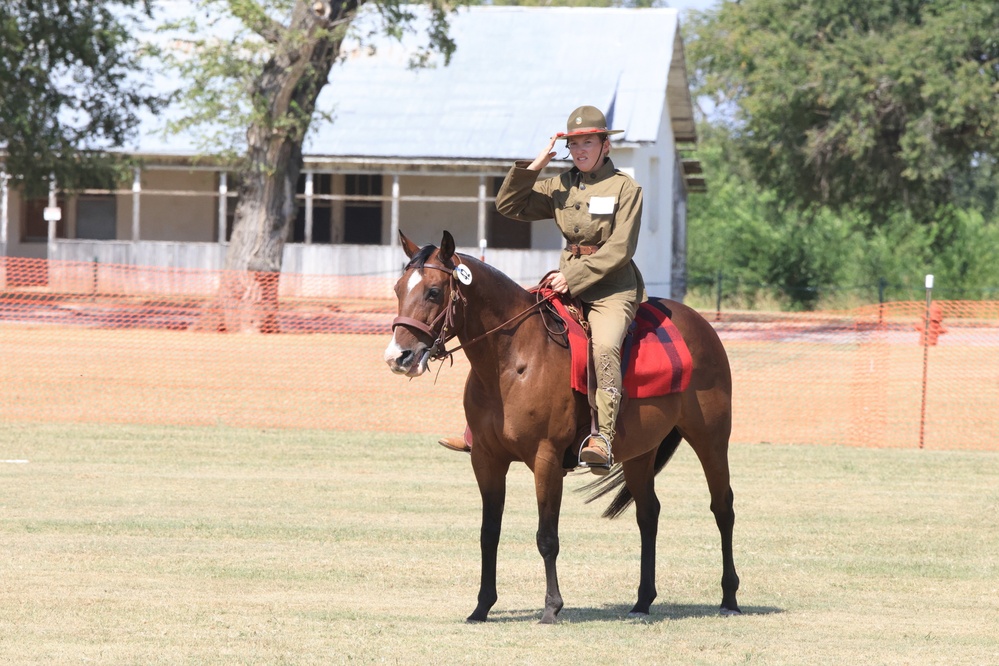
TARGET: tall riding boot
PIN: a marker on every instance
(608, 403)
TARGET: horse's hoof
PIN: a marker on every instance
(478, 616)
(635, 615)
(728, 612)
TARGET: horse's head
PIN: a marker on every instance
(424, 292)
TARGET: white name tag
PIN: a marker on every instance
(602, 205)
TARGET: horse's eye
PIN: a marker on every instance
(433, 294)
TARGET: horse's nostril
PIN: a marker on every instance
(405, 358)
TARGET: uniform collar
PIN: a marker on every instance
(604, 171)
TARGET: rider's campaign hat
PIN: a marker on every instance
(586, 120)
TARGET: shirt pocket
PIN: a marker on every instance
(601, 218)
(560, 199)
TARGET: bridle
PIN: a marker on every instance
(442, 329)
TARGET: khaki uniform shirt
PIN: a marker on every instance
(602, 207)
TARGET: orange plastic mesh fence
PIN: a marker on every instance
(82, 342)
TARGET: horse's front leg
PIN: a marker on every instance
(548, 476)
(639, 477)
(491, 477)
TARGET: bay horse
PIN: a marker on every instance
(520, 406)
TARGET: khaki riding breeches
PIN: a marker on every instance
(609, 319)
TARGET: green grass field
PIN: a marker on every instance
(156, 545)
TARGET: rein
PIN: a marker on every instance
(446, 319)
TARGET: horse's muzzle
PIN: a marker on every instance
(409, 362)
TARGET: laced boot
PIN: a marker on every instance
(596, 454)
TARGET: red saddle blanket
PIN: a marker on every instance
(654, 356)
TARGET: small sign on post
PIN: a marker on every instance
(926, 357)
(52, 213)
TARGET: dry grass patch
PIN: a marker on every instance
(158, 545)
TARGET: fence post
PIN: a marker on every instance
(926, 358)
(882, 283)
(719, 297)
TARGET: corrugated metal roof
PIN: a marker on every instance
(515, 76)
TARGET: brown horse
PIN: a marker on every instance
(520, 407)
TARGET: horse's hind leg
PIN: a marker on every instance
(712, 451)
(548, 486)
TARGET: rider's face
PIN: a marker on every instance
(588, 151)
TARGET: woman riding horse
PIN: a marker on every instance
(598, 209)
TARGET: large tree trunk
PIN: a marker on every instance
(285, 94)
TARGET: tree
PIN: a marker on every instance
(876, 106)
(67, 98)
(266, 79)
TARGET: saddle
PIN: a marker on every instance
(655, 359)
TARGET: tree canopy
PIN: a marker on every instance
(67, 97)
(876, 106)
(263, 80)
(230, 44)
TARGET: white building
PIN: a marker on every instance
(425, 149)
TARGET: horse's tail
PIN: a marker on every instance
(623, 499)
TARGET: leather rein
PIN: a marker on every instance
(442, 329)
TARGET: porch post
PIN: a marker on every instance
(52, 219)
(136, 193)
(482, 210)
(223, 204)
(309, 190)
(394, 231)
(4, 177)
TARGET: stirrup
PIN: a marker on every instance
(596, 468)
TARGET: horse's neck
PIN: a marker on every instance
(494, 300)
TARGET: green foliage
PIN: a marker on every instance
(579, 3)
(218, 74)
(869, 106)
(67, 96)
(965, 264)
(858, 146)
(804, 259)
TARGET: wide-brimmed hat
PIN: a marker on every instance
(586, 120)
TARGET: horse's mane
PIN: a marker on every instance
(419, 259)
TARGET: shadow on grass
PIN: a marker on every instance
(660, 613)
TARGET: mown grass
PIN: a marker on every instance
(156, 545)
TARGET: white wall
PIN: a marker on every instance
(424, 221)
(652, 167)
(172, 217)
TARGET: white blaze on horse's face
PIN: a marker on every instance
(410, 360)
(414, 280)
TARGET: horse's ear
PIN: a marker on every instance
(447, 247)
(408, 246)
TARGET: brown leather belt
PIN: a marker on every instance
(577, 250)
